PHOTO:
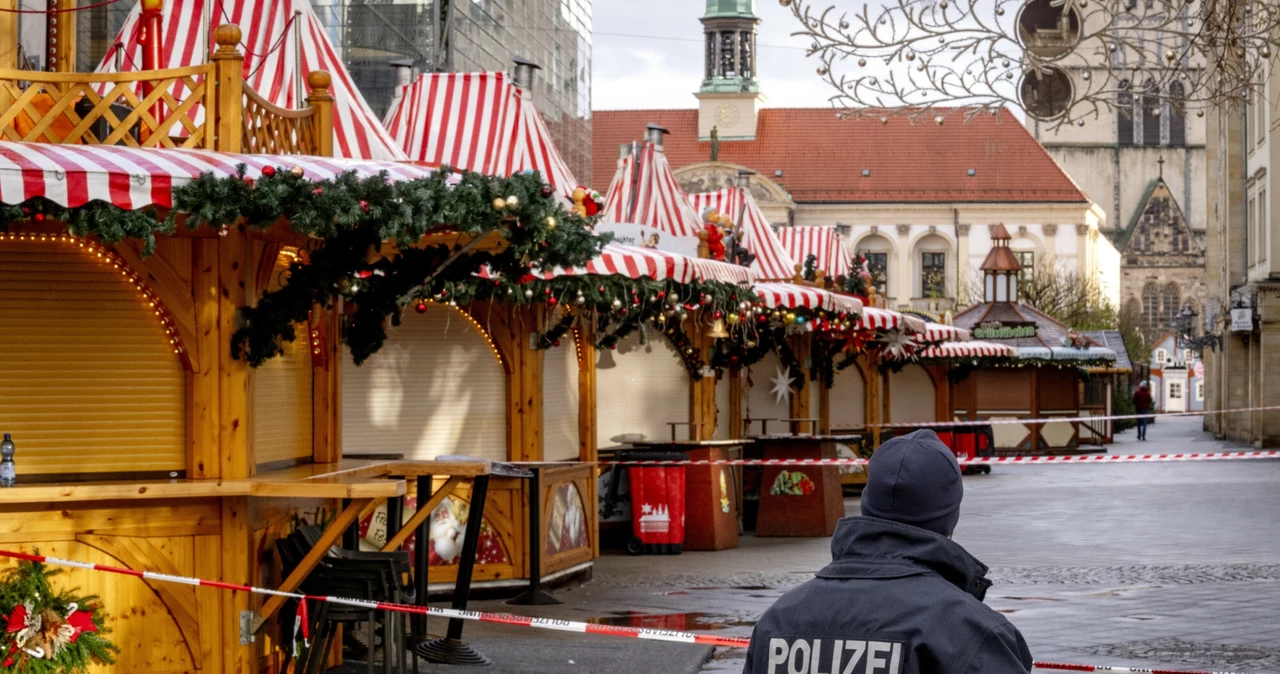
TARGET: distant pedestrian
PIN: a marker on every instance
(1142, 405)
(899, 596)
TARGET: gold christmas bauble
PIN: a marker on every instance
(499, 204)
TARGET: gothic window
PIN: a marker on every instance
(1124, 118)
(1159, 306)
(1177, 115)
(727, 66)
(1150, 115)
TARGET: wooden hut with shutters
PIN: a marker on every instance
(193, 462)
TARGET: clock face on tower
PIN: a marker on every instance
(727, 114)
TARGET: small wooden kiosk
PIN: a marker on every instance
(1044, 381)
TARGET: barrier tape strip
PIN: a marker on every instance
(648, 634)
(977, 461)
(1045, 420)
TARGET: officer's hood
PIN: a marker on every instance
(869, 547)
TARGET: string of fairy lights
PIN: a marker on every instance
(105, 255)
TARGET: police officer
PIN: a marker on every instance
(899, 596)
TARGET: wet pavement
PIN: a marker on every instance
(1138, 565)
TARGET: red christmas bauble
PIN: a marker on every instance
(547, 191)
(556, 343)
(420, 307)
(364, 273)
(601, 288)
(364, 206)
(248, 181)
(719, 315)
(552, 301)
(268, 171)
(39, 217)
(318, 191)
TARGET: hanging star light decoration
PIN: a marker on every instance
(898, 344)
(782, 382)
(1061, 61)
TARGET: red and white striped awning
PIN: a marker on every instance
(132, 178)
(632, 262)
(271, 64)
(477, 122)
(973, 349)
(937, 332)
(880, 319)
(819, 241)
(772, 261)
(792, 296)
(645, 192)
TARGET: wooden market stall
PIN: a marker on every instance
(145, 437)
(1043, 382)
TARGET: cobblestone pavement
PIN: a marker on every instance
(1131, 565)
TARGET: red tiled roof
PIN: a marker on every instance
(822, 158)
(1001, 259)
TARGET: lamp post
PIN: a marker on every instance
(1184, 328)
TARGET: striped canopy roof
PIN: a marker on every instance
(772, 261)
(633, 262)
(271, 63)
(820, 241)
(477, 122)
(937, 332)
(969, 349)
(132, 178)
(794, 296)
(645, 192)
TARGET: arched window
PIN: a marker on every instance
(878, 250)
(1151, 114)
(1159, 307)
(1170, 303)
(1150, 310)
(930, 257)
(1124, 118)
(1177, 115)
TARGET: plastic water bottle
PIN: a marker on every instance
(8, 470)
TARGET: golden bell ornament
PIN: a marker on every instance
(717, 330)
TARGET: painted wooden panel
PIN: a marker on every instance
(435, 388)
(567, 531)
(91, 382)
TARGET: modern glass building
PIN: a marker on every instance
(442, 35)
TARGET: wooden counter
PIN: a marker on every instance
(800, 500)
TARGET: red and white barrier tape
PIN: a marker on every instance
(674, 636)
(980, 460)
(1046, 420)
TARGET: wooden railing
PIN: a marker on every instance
(205, 106)
(271, 129)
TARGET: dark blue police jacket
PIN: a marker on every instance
(896, 599)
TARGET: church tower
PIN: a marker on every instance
(730, 95)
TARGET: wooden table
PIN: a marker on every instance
(710, 493)
(799, 500)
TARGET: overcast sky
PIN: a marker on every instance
(662, 66)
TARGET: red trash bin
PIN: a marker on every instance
(657, 504)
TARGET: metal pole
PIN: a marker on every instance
(299, 89)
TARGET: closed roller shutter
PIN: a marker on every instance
(560, 402)
(88, 380)
(761, 403)
(911, 396)
(435, 388)
(723, 432)
(848, 399)
(639, 388)
(282, 394)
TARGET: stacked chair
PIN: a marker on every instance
(349, 574)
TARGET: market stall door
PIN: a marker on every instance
(769, 395)
(435, 388)
(91, 381)
(912, 396)
(560, 403)
(640, 389)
